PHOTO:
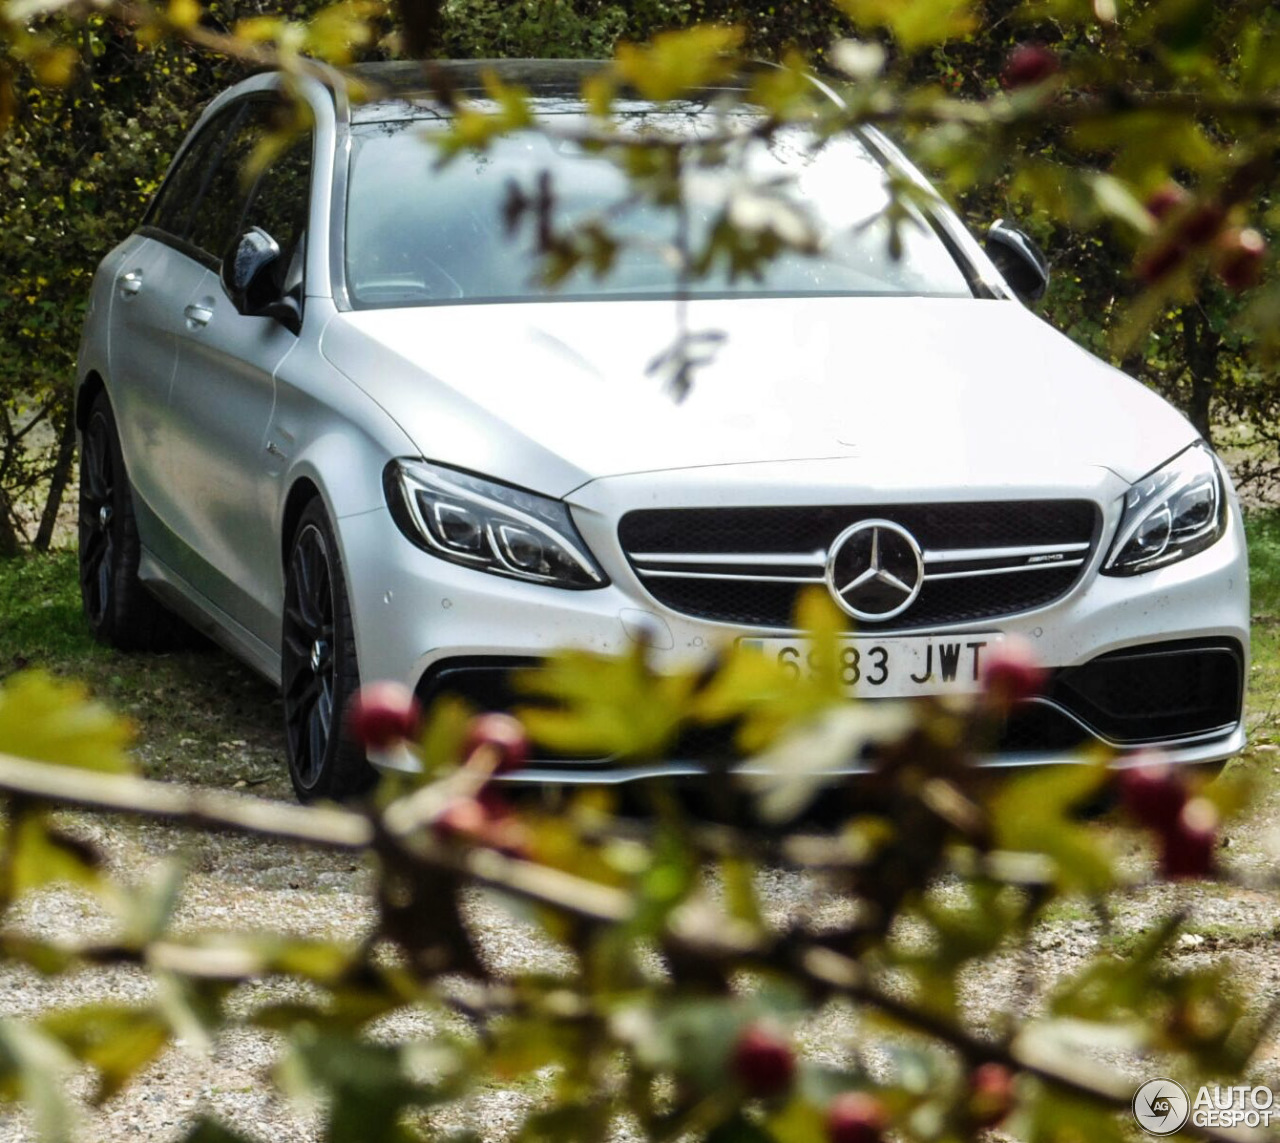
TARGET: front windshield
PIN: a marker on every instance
(419, 234)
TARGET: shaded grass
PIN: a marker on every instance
(41, 621)
(200, 715)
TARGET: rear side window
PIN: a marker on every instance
(173, 207)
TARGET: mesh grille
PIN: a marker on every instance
(1033, 729)
(803, 529)
(792, 530)
(1156, 692)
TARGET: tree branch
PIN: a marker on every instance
(313, 825)
(821, 966)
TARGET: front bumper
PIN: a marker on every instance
(1159, 659)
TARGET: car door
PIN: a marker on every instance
(223, 389)
(157, 272)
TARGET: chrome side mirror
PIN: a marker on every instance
(1019, 260)
(246, 270)
(249, 276)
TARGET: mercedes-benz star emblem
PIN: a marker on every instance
(1161, 1106)
(875, 569)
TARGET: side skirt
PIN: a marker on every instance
(179, 596)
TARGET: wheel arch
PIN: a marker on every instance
(303, 491)
(86, 394)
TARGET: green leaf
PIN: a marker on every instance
(799, 1121)
(914, 23)
(670, 878)
(473, 129)
(148, 908)
(51, 720)
(569, 1121)
(681, 62)
(192, 1007)
(39, 853)
(1055, 1117)
(1036, 813)
(739, 1129)
(1147, 144)
(606, 705)
(324, 962)
(1117, 201)
(33, 1066)
(1112, 987)
(771, 696)
(738, 877)
(44, 958)
(520, 1047)
(443, 735)
(366, 1087)
(118, 1040)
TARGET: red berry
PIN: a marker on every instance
(1011, 672)
(1202, 224)
(463, 817)
(1157, 264)
(856, 1117)
(1152, 793)
(381, 714)
(1027, 65)
(484, 820)
(1165, 200)
(1187, 849)
(990, 1094)
(763, 1061)
(502, 734)
(493, 803)
(1241, 257)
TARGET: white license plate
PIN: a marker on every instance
(896, 667)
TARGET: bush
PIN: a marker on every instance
(677, 1010)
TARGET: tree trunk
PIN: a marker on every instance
(58, 481)
(420, 23)
(10, 540)
(1201, 345)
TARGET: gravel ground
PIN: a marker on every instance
(240, 884)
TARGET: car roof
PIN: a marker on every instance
(419, 88)
(408, 78)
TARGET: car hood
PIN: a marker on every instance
(908, 390)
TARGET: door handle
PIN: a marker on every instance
(130, 283)
(197, 315)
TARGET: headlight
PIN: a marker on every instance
(1178, 510)
(489, 526)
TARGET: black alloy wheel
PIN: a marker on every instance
(319, 673)
(97, 519)
(121, 612)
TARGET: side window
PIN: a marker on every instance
(171, 209)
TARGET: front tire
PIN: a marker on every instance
(319, 672)
(121, 612)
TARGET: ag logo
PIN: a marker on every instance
(1161, 1106)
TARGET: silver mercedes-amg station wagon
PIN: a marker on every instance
(332, 420)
